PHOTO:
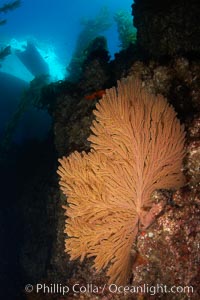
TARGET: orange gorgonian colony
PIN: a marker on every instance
(137, 146)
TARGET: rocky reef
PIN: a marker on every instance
(167, 28)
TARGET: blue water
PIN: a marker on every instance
(53, 26)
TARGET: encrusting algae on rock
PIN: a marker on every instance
(137, 146)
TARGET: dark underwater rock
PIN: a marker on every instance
(168, 27)
(72, 120)
(168, 252)
(178, 80)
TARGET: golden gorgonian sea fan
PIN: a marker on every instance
(137, 146)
